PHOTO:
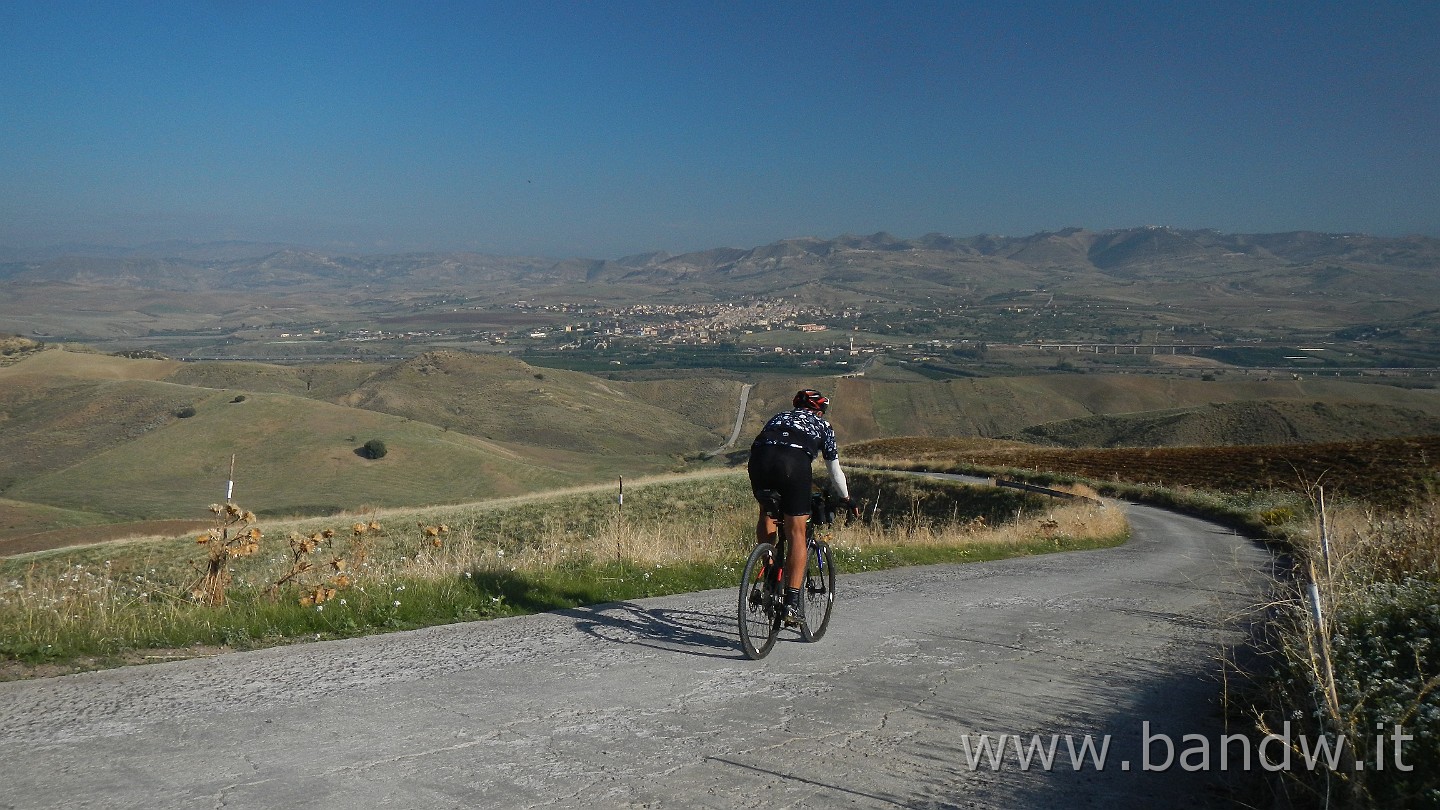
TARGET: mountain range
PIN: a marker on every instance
(1393, 266)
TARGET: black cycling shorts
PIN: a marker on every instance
(785, 470)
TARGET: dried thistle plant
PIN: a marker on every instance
(316, 590)
(432, 536)
(359, 545)
(233, 535)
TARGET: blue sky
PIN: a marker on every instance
(608, 128)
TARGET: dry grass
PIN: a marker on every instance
(1365, 660)
(1368, 546)
(415, 567)
(1074, 520)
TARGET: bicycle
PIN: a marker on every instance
(762, 585)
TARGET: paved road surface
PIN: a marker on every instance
(650, 703)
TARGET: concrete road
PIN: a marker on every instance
(651, 704)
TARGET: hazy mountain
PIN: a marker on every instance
(1353, 278)
(1136, 250)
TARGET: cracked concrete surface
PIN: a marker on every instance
(651, 704)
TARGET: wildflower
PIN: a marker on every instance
(319, 608)
(396, 603)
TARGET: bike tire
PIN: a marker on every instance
(758, 614)
(819, 591)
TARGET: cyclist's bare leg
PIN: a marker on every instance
(765, 528)
(795, 555)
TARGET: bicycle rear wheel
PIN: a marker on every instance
(759, 603)
(819, 591)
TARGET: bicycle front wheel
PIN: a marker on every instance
(819, 591)
(759, 603)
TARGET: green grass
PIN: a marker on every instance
(119, 602)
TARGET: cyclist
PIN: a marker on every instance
(780, 459)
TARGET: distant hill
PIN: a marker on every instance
(90, 438)
(502, 398)
(1256, 422)
(1403, 267)
(1086, 408)
(106, 435)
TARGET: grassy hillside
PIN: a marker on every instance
(104, 437)
(1385, 471)
(1000, 406)
(59, 408)
(19, 518)
(322, 381)
(1251, 422)
(501, 398)
(55, 363)
(294, 456)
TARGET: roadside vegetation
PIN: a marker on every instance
(1350, 646)
(1358, 657)
(251, 582)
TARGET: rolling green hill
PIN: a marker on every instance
(294, 455)
(320, 381)
(87, 437)
(501, 398)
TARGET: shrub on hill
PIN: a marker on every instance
(374, 449)
(186, 412)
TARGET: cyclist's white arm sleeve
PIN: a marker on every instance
(837, 478)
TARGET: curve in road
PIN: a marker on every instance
(651, 703)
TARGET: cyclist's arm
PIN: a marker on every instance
(837, 478)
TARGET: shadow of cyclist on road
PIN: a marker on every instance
(690, 632)
(685, 631)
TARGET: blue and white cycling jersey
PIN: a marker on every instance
(803, 429)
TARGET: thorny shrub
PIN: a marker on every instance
(233, 535)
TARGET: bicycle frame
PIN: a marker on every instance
(762, 589)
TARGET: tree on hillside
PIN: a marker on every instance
(374, 449)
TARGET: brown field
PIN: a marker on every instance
(475, 319)
(1186, 361)
(1387, 471)
(85, 535)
